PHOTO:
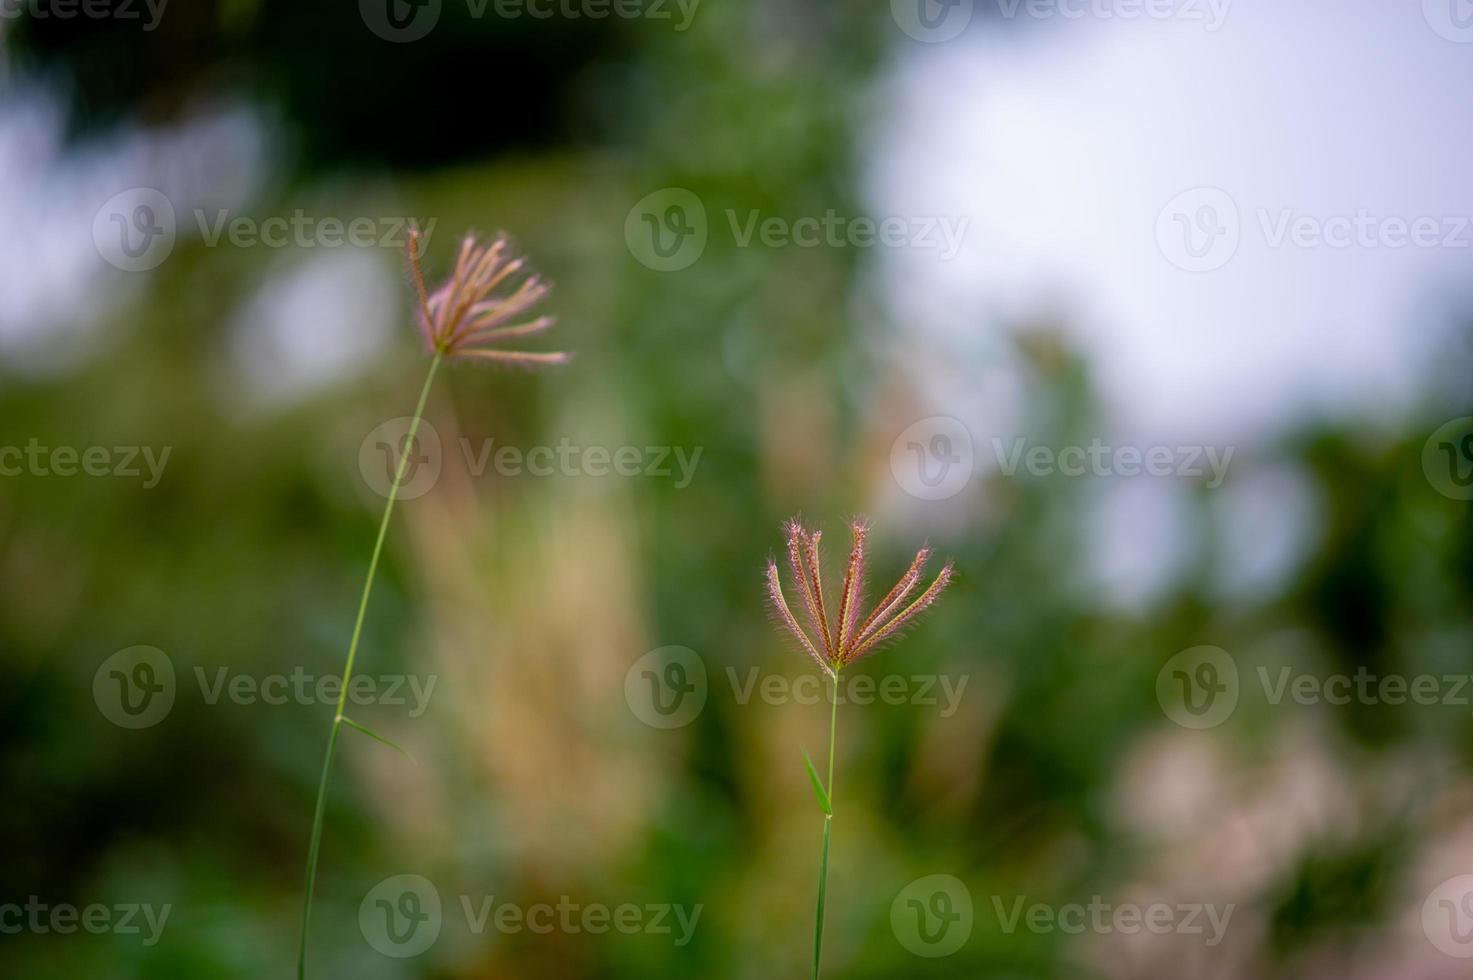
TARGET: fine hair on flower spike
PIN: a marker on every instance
(837, 640)
(476, 309)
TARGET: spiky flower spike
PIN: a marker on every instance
(843, 638)
(834, 641)
(466, 317)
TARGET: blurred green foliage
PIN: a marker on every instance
(249, 556)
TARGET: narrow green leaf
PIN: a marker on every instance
(818, 790)
(377, 737)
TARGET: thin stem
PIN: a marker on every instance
(337, 721)
(828, 821)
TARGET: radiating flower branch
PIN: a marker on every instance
(836, 642)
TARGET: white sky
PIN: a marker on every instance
(1062, 140)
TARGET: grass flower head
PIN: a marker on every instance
(838, 639)
(476, 309)
(468, 316)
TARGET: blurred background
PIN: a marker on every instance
(1156, 317)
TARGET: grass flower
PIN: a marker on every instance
(835, 640)
(474, 311)
(467, 318)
